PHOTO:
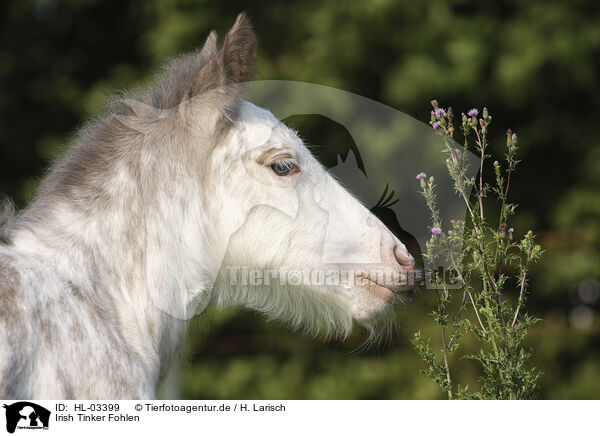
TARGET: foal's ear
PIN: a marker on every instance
(212, 77)
(239, 51)
(236, 60)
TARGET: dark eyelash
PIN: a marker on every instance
(283, 167)
(288, 164)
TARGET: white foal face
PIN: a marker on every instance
(287, 228)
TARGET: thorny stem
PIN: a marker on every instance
(505, 196)
(490, 326)
(500, 219)
(506, 347)
(444, 347)
(462, 305)
(465, 284)
(481, 143)
(503, 253)
(499, 293)
(524, 275)
(476, 311)
(464, 196)
(484, 270)
(460, 188)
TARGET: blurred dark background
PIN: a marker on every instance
(534, 64)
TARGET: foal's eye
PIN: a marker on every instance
(284, 168)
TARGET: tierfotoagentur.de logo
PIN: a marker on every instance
(26, 416)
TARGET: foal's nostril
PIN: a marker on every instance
(403, 258)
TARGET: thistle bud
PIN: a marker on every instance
(434, 103)
(483, 126)
(486, 115)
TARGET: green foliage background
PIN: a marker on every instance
(534, 64)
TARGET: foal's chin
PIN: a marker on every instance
(373, 309)
(378, 317)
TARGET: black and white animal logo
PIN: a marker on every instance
(26, 415)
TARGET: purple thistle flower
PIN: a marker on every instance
(473, 113)
(440, 112)
(511, 230)
(421, 176)
(436, 125)
(436, 230)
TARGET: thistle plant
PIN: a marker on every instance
(488, 291)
